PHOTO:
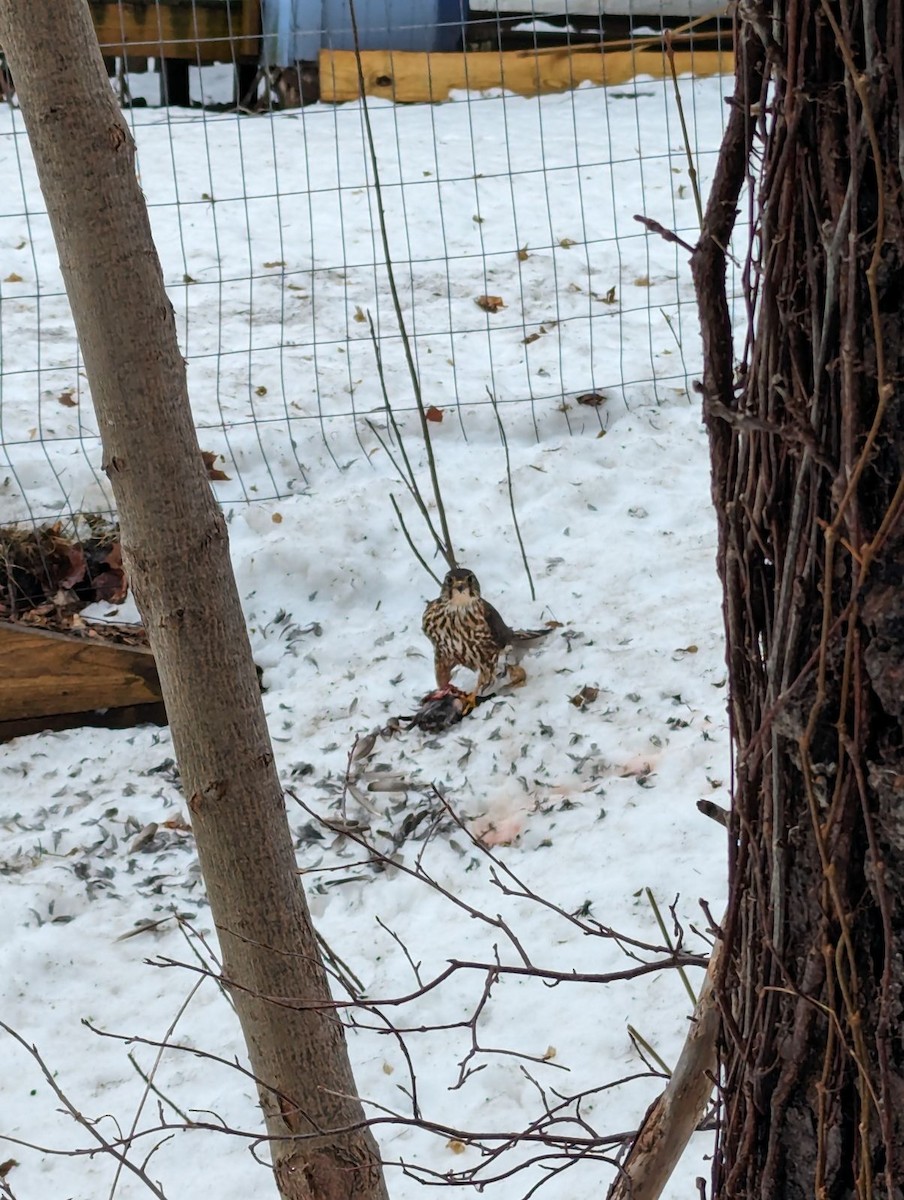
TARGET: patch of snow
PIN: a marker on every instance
(588, 803)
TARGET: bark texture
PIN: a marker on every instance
(807, 439)
(176, 546)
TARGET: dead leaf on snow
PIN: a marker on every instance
(434, 414)
(67, 399)
(490, 304)
(359, 314)
(605, 297)
(13, 278)
(592, 399)
(585, 696)
(178, 823)
(213, 472)
(456, 1146)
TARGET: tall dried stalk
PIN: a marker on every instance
(444, 544)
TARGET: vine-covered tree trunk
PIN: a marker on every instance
(177, 550)
(807, 438)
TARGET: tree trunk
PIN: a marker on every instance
(176, 546)
(807, 439)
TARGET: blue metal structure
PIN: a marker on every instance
(297, 30)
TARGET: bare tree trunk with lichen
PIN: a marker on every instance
(807, 439)
(174, 537)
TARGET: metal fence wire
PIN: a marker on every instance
(509, 219)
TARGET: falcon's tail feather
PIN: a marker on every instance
(529, 635)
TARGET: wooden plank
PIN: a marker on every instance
(251, 29)
(212, 32)
(44, 673)
(106, 718)
(424, 78)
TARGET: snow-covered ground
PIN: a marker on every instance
(267, 230)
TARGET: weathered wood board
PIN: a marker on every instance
(43, 674)
(199, 31)
(423, 78)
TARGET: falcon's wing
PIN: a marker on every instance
(501, 633)
(430, 618)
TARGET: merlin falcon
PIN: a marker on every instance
(466, 631)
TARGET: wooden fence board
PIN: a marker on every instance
(198, 32)
(44, 673)
(418, 77)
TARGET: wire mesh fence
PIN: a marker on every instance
(522, 273)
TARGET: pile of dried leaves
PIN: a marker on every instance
(49, 573)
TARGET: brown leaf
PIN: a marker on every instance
(456, 1146)
(74, 558)
(523, 255)
(277, 262)
(67, 399)
(360, 315)
(531, 337)
(113, 557)
(178, 822)
(592, 399)
(566, 243)
(276, 518)
(434, 414)
(110, 586)
(585, 696)
(490, 304)
(13, 278)
(213, 472)
(6, 1167)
